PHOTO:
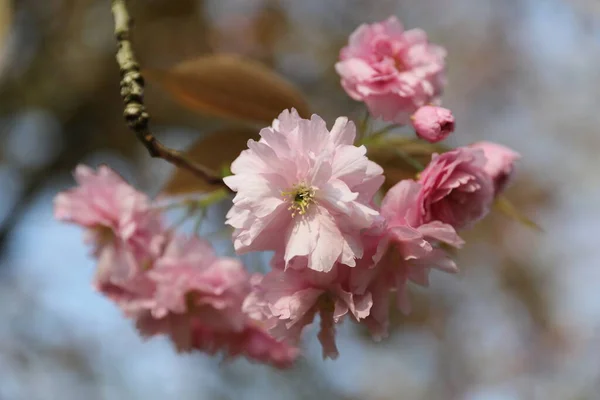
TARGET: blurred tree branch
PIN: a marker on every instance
(132, 91)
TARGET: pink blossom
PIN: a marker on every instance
(455, 189)
(500, 163)
(404, 251)
(304, 191)
(392, 70)
(188, 333)
(432, 123)
(189, 274)
(198, 303)
(127, 234)
(414, 247)
(289, 300)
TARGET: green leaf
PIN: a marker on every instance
(507, 208)
(401, 157)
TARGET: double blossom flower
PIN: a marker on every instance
(306, 190)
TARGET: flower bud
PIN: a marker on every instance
(433, 123)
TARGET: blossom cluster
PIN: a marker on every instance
(307, 194)
(341, 246)
(168, 284)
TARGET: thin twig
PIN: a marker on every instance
(377, 134)
(132, 91)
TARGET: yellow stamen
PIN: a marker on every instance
(301, 197)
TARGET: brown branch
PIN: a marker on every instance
(132, 91)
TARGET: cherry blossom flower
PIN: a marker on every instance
(500, 163)
(304, 190)
(455, 189)
(287, 301)
(126, 232)
(198, 303)
(392, 70)
(414, 247)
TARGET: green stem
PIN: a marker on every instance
(183, 218)
(363, 127)
(197, 206)
(384, 130)
(409, 160)
(375, 137)
(198, 222)
(212, 198)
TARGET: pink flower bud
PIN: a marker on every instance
(500, 163)
(433, 123)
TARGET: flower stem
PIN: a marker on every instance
(413, 162)
(363, 127)
(384, 130)
(212, 198)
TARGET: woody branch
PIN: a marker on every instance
(132, 92)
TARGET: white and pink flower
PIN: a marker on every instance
(305, 191)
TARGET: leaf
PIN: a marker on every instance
(231, 86)
(215, 151)
(507, 208)
(401, 158)
(6, 17)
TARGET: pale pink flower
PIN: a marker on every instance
(500, 163)
(289, 300)
(432, 123)
(198, 303)
(126, 232)
(134, 296)
(392, 70)
(414, 248)
(304, 191)
(189, 274)
(404, 251)
(188, 333)
(455, 189)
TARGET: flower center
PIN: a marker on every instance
(300, 197)
(399, 64)
(103, 235)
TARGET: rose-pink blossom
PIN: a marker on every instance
(289, 300)
(416, 244)
(189, 274)
(126, 232)
(500, 163)
(304, 191)
(188, 333)
(392, 70)
(198, 303)
(404, 251)
(432, 123)
(455, 189)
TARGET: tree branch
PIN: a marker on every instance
(132, 92)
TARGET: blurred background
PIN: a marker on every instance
(521, 321)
